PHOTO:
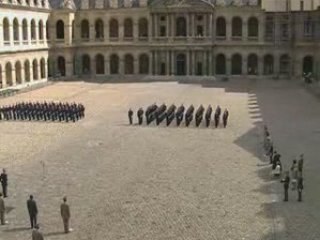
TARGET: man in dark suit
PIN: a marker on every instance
(33, 211)
(286, 183)
(4, 182)
(130, 114)
(65, 214)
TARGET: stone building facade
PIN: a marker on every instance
(99, 38)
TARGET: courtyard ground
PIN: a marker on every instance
(155, 183)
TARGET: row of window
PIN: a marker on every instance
(26, 69)
(29, 30)
(84, 66)
(36, 3)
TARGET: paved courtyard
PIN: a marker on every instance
(158, 183)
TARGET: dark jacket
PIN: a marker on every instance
(4, 179)
(32, 207)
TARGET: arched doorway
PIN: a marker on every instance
(42, 68)
(220, 64)
(128, 28)
(99, 26)
(113, 28)
(143, 27)
(253, 64)
(284, 64)
(181, 64)
(27, 71)
(24, 30)
(144, 64)
(307, 65)
(221, 27)
(128, 64)
(6, 30)
(15, 30)
(114, 64)
(85, 32)
(268, 64)
(18, 72)
(9, 74)
(35, 69)
(236, 64)
(181, 27)
(61, 66)
(236, 27)
(253, 27)
(86, 64)
(99, 64)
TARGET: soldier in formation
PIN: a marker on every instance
(44, 111)
(159, 113)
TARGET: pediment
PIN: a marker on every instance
(181, 3)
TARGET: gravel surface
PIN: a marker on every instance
(148, 182)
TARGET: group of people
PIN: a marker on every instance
(32, 210)
(160, 113)
(296, 169)
(43, 111)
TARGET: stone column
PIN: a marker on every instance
(136, 65)
(135, 30)
(69, 68)
(245, 30)
(260, 65)
(172, 63)
(210, 25)
(23, 73)
(156, 29)
(107, 64)
(121, 29)
(192, 25)
(244, 65)
(14, 80)
(192, 62)
(11, 33)
(168, 62)
(188, 62)
(150, 63)
(106, 29)
(92, 33)
(228, 66)
(156, 62)
(1, 35)
(168, 26)
(20, 34)
(204, 57)
(262, 26)
(172, 25)
(46, 70)
(150, 28)
(228, 30)
(121, 65)
(210, 62)
(187, 16)
(3, 77)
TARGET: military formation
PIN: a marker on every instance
(168, 114)
(44, 111)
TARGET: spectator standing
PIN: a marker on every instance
(65, 214)
(4, 182)
(33, 211)
(2, 210)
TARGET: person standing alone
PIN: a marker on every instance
(33, 211)
(4, 182)
(2, 210)
(65, 214)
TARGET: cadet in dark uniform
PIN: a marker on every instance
(208, 115)
(160, 114)
(130, 114)
(4, 182)
(189, 115)
(217, 116)
(199, 115)
(170, 114)
(225, 117)
(179, 114)
(140, 116)
(286, 183)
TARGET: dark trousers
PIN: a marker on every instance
(66, 224)
(286, 197)
(225, 122)
(130, 120)
(2, 222)
(4, 190)
(207, 122)
(299, 195)
(140, 120)
(216, 122)
(33, 220)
